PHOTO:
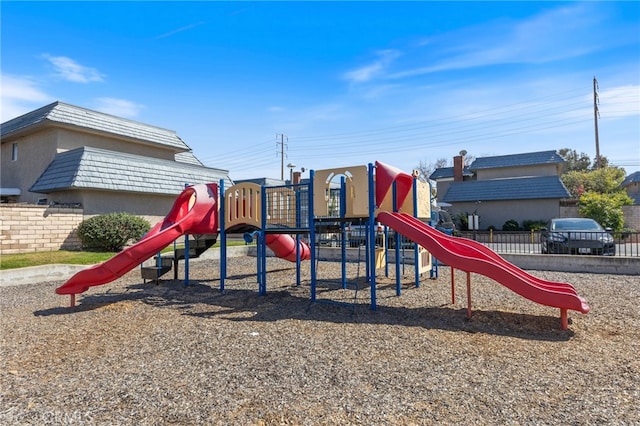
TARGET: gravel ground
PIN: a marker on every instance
(146, 354)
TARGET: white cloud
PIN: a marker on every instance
(619, 102)
(118, 107)
(68, 69)
(553, 35)
(20, 95)
(179, 30)
(375, 69)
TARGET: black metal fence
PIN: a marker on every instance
(627, 244)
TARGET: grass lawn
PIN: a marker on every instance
(22, 260)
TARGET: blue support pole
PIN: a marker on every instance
(433, 274)
(343, 230)
(416, 251)
(343, 212)
(261, 262)
(372, 247)
(312, 236)
(223, 235)
(262, 282)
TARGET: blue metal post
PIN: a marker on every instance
(223, 235)
(343, 230)
(343, 212)
(262, 282)
(261, 262)
(312, 236)
(372, 247)
(416, 251)
(433, 274)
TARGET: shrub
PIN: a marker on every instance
(111, 231)
(462, 221)
(511, 225)
(533, 225)
(606, 209)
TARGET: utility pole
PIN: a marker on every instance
(282, 146)
(596, 114)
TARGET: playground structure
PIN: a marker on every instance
(282, 217)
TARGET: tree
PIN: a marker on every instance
(606, 209)
(604, 162)
(426, 169)
(605, 180)
(574, 161)
(599, 194)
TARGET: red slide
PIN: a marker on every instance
(471, 256)
(195, 211)
(284, 246)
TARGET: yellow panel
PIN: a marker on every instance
(282, 206)
(424, 202)
(424, 260)
(243, 205)
(381, 259)
(356, 187)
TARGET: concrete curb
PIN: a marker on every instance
(538, 262)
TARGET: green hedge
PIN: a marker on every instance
(112, 231)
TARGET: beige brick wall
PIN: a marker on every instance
(632, 217)
(29, 228)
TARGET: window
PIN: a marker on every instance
(14, 152)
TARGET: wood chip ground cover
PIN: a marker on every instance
(146, 354)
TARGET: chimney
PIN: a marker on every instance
(296, 177)
(458, 165)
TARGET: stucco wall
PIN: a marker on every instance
(520, 171)
(151, 207)
(67, 140)
(29, 228)
(496, 213)
(35, 152)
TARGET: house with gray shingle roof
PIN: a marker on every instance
(631, 184)
(66, 154)
(518, 186)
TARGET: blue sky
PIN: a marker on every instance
(347, 83)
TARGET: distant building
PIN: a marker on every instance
(68, 155)
(500, 188)
(631, 184)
